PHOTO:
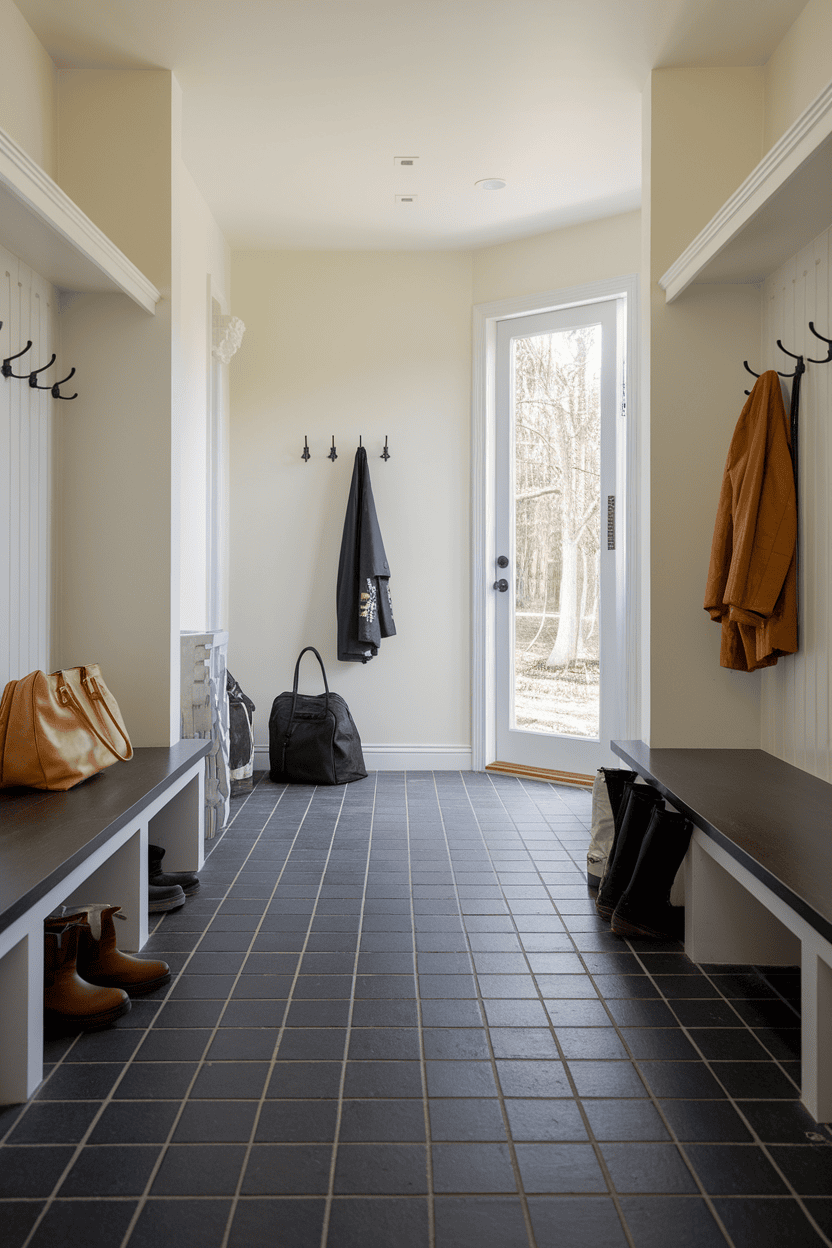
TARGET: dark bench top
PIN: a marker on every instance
(773, 818)
(44, 836)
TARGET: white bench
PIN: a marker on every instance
(86, 845)
(758, 880)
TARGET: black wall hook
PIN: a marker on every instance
(822, 337)
(306, 454)
(33, 375)
(56, 392)
(385, 454)
(801, 367)
(333, 454)
(6, 370)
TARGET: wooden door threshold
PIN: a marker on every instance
(575, 779)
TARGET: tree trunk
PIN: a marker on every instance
(582, 611)
(565, 649)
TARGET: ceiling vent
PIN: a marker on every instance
(406, 199)
(405, 162)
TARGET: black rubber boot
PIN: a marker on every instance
(619, 781)
(188, 881)
(644, 909)
(162, 897)
(635, 818)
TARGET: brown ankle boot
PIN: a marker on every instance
(69, 1001)
(101, 962)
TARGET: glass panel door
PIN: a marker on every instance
(556, 415)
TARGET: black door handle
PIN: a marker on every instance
(501, 585)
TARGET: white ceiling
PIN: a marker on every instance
(293, 110)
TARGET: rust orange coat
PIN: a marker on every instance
(752, 578)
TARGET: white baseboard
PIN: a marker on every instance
(398, 757)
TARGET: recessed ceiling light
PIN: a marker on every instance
(490, 184)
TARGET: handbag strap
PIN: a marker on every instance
(68, 698)
(295, 683)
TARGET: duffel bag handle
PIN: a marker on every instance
(295, 682)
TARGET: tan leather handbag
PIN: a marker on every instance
(57, 730)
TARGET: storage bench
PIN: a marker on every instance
(758, 878)
(86, 845)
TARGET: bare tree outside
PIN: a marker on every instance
(557, 532)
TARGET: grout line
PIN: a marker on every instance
(268, 1077)
(423, 1070)
(339, 1108)
(515, 1165)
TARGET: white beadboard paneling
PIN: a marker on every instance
(28, 311)
(797, 694)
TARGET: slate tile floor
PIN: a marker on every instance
(528, 1080)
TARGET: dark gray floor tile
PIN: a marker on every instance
(688, 1080)
(94, 1223)
(473, 1167)
(58, 1122)
(385, 1013)
(312, 1044)
(28, 1172)
(532, 1078)
(242, 1044)
(513, 1013)
(182, 1045)
(559, 1168)
(110, 1170)
(590, 1042)
(308, 1122)
(783, 1122)
(384, 1043)
(606, 1079)
(540, 1119)
(163, 1222)
(378, 1223)
(756, 1080)
(80, 1082)
(287, 1170)
(578, 1222)
(215, 1122)
(711, 1121)
(385, 1169)
(263, 1223)
(654, 1221)
(460, 1078)
(304, 1080)
(460, 1119)
(386, 1079)
(135, 1122)
(480, 1222)
(19, 1216)
(807, 1167)
(318, 1014)
(375, 1121)
(456, 1042)
(735, 1170)
(199, 1170)
(764, 1223)
(625, 1120)
(659, 1042)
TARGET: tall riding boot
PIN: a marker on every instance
(641, 800)
(101, 962)
(69, 1001)
(608, 792)
(644, 908)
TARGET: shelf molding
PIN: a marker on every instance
(36, 216)
(782, 163)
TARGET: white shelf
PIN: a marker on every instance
(50, 233)
(782, 205)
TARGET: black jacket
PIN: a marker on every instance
(363, 603)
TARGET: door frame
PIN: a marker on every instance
(483, 507)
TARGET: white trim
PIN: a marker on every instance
(787, 160)
(398, 757)
(483, 504)
(42, 225)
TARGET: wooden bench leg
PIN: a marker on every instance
(21, 1036)
(816, 1033)
(724, 921)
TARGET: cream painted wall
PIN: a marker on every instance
(562, 258)
(704, 137)
(349, 344)
(27, 88)
(204, 256)
(799, 69)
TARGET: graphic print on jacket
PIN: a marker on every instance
(363, 602)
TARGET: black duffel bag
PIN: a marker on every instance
(313, 740)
